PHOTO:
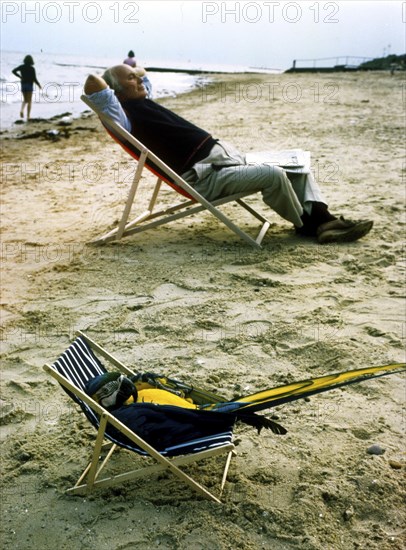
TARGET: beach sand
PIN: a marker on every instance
(192, 301)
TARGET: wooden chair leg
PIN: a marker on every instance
(227, 466)
(91, 476)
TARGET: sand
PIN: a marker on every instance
(191, 300)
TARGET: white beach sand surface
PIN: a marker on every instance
(191, 300)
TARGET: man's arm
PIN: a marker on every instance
(104, 99)
(94, 84)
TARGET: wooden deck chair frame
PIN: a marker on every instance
(90, 478)
(193, 204)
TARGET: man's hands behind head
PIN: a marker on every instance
(94, 84)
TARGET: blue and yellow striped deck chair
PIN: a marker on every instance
(76, 366)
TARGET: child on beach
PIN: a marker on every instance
(27, 74)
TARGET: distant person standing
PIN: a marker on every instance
(26, 73)
(130, 60)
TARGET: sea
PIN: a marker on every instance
(62, 78)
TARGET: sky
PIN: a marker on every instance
(198, 34)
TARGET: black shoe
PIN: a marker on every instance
(343, 231)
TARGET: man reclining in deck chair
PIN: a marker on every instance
(215, 168)
(165, 412)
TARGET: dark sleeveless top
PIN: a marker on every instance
(173, 139)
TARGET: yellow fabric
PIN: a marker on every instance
(304, 387)
(143, 386)
(161, 397)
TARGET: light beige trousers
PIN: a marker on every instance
(224, 172)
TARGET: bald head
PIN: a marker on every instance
(126, 81)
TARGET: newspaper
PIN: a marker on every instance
(292, 160)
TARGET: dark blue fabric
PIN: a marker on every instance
(162, 426)
(27, 73)
(176, 141)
